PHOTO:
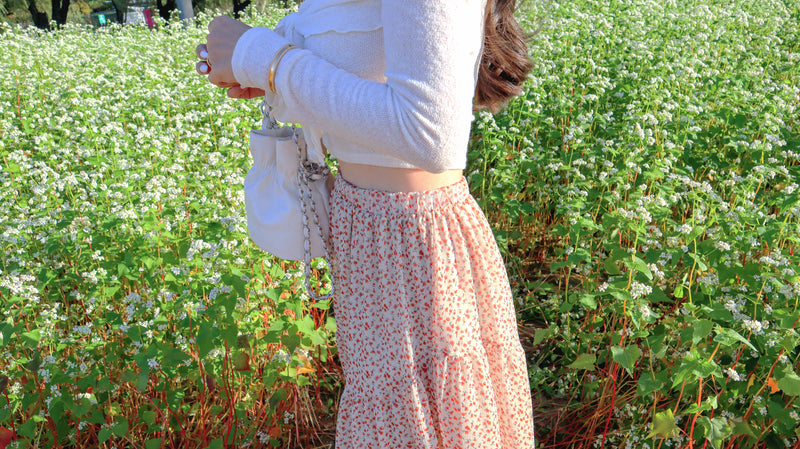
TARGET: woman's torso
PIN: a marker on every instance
(326, 27)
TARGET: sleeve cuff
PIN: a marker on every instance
(253, 55)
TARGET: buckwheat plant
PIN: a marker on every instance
(135, 310)
(645, 192)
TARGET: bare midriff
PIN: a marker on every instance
(393, 179)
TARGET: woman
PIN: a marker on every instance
(427, 335)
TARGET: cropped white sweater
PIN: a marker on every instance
(378, 82)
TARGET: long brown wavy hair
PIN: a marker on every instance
(505, 64)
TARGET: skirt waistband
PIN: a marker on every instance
(378, 202)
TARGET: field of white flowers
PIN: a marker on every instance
(644, 190)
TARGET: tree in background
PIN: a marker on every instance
(239, 6)
(39, 17)
(59, 10)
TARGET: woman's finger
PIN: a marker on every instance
(202, 68)
(217, 21)
(201, 51)
(244, 93)
(235, 92)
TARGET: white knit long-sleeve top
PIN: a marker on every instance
(379, 82)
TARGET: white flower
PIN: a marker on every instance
(639, 290)
(733, 374)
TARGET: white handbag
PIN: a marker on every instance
(286, 195)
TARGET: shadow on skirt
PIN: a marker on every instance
(426, 328)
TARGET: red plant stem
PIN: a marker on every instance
(738, 356)
(230, 425)
(297, 411)
(226, 388)
(697, 413)
(613, 398)
(775, 364)
(319, 376)
(177, 418)
(40, 388)
(171, 412)
(13, 426)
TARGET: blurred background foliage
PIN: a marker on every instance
(42, 12)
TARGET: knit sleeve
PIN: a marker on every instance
(420, 114)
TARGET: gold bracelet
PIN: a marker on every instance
(274, 66)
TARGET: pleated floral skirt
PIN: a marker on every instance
(426, 328)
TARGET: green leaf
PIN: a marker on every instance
(153, 443)
(729, 337)
(322, 305)
(626, 357)
(580, 255)
(34, 363)
(292, 339)
(678, 293)
(121, 428)
(306, 327)
(205, 338)
(621, 295)
(742, 428)
(172, 356)
(46, 276)
(790, 384)
(657, 295)
(704, 368)
(584, 361)
(28, 429)
(717, 429)
(611, 266)
(142, 379)
(33, 337)
(215, 444)
(6, 331)
(651, 382)
(698, 260)
(700, 330)
(663, 425)
(588, 301)
(103, 435)
(789, 342)
(637, 264)
(785, 423)
(330, 324)
(122, 269)
(542, 334)
(230, 334)
(148, 417)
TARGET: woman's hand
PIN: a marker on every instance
(216, 54)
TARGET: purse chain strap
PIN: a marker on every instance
(307, 171)
(310, 171)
